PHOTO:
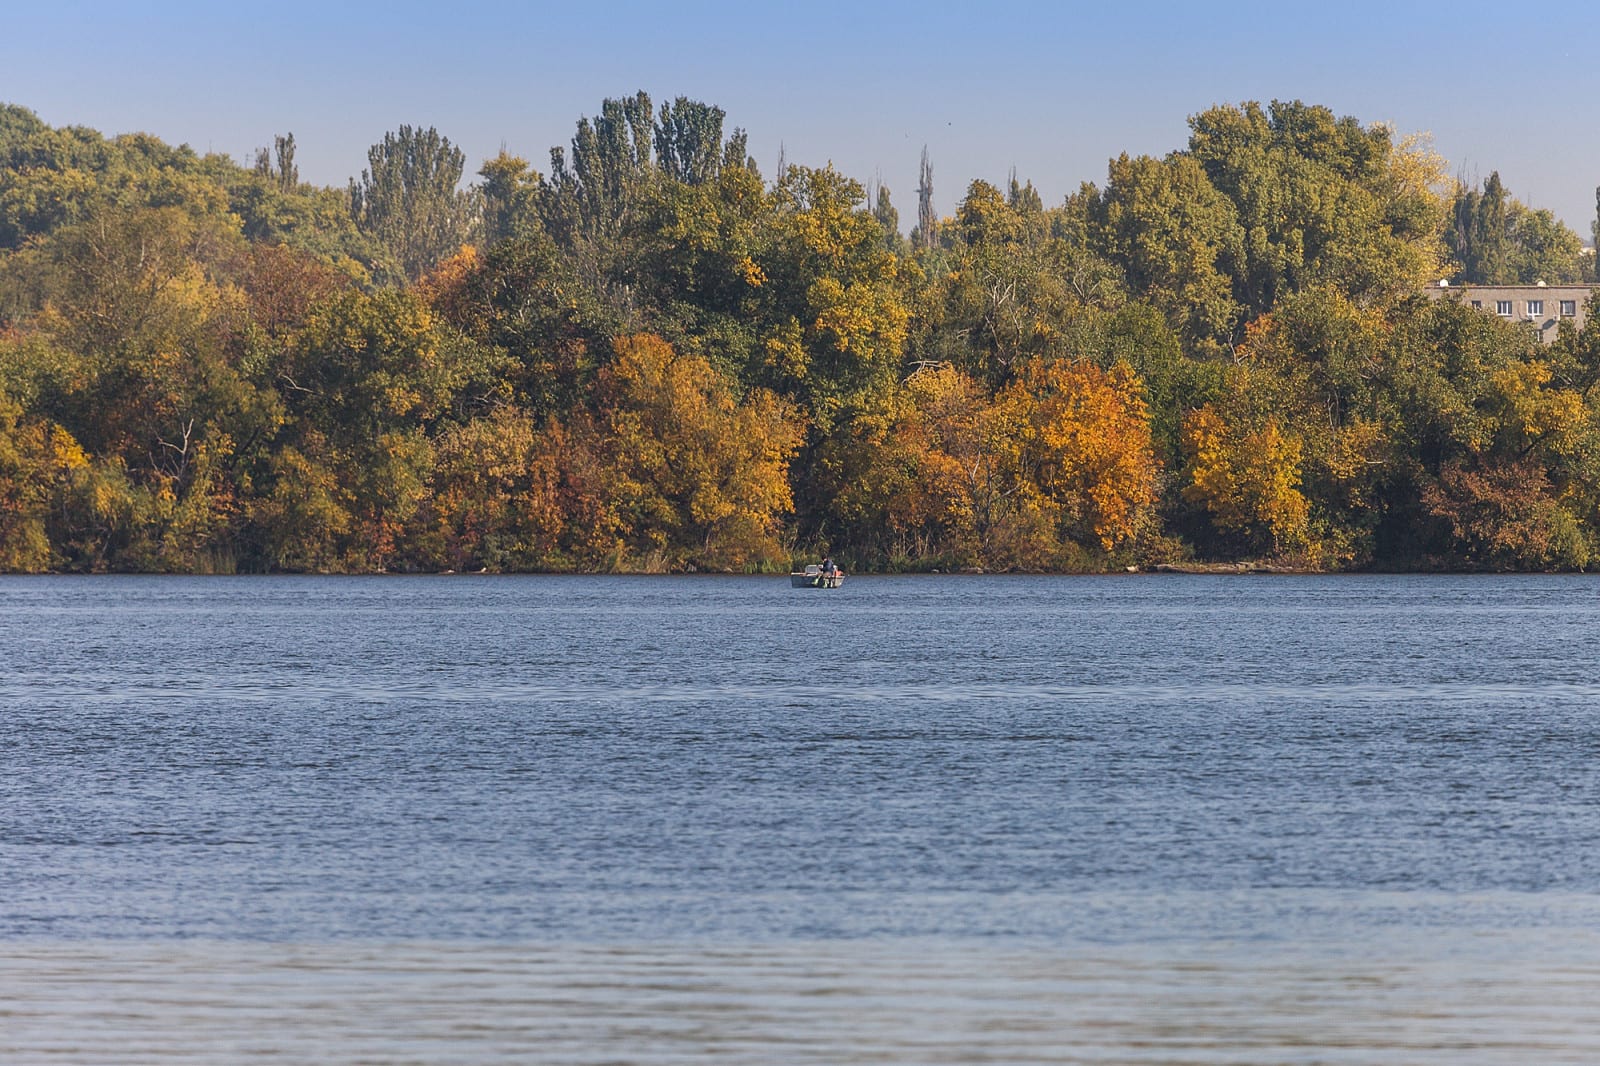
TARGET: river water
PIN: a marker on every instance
(1125, 820)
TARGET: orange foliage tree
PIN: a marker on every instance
(1090, 448)
(1056, 465)
(507, 495)
(697, 477)
(1247, 478)
(1505, 517)
(971, 478)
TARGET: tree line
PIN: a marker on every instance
(652, 357)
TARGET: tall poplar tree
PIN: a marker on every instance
(1488, 261)
(594, 192)
(689, 146)
(927, 232)
(410, 199)
(1594, 229)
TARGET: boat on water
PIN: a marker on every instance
(814, 577)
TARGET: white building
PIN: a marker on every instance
(1541, 306)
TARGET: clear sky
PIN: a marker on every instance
(1051, 89)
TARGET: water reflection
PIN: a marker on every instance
(803, 1003)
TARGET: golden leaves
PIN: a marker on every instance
(1247, 477)
(695, 473)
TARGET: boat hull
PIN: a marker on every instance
(816, 581)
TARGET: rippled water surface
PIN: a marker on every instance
(602, 820)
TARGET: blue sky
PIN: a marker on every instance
(1053, 90)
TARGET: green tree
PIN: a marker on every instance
(1178, 242)
(926, 233)
(1496, 239)
(537, 327)
(1007, 290)
(511, 198)
(701, 281)
(1321, 200)
(409, 198)
(888, 217)
(593, 194)
(278, 165)
(689, 145)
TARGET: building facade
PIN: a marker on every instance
(1542, 307)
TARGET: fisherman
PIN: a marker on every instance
(829, 569)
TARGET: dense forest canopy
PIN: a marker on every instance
(656, 358)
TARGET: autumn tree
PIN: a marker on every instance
(27, 454)
(873, 472)
(506, 493)
(1247, 478)
(699, 478)
(974, 474)
(1089, 449)
(835, 319)
(1318, 363)
(1510, 480)
(363, 381)
(139, 359)
(1506, 517)
(511, 196)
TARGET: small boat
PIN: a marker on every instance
(814, 578)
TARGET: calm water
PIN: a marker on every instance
(1120, 820)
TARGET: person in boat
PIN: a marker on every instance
(829, 568)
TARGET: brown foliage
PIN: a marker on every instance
(1504, 518)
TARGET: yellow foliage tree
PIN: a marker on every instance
(1247, 478)
(306, 516)
(506, 495)
(1058, 463)
(837, 316)
(1091, 448)
(25, 472)
(196, 511)
(698, 477)
(1533, 414)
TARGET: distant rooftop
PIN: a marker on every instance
(1444, 283)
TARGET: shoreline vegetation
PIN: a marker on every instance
(655, 358)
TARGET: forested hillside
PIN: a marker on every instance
(654, 357)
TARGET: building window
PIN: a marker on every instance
(1477, 305)
(1569, 308)
(1503, 308)
(1535, 307)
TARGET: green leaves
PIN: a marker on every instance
(1178, 241)
(1497, 240)
(209, 366)
(409, 201)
